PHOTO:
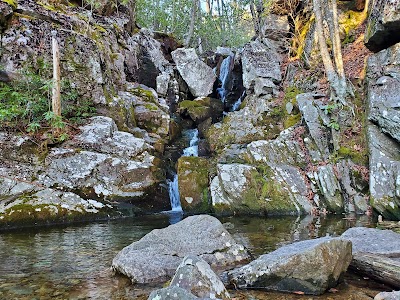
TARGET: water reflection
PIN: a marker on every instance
(74, 262)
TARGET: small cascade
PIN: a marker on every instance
(174, 197)
(236, 105)
(173, 188)
(224, 72)
(193, 149)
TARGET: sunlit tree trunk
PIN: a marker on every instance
(334, 71)
(56, 94)
(132, 16)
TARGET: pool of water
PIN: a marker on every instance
(73, 262)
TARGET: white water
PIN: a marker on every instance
(173, 188)
(236, 105)
(223, 77)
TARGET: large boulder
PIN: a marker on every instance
(311, 267)
(103, 162)
(375, 253)
(24, 203)
(201, 109)
(199, 77)
(196, 276)
(193, 183)
(261, 61)
(383, 29)
(155, 257)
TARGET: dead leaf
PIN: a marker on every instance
(298, 292)
(333, 290)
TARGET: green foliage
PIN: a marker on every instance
(230, 25)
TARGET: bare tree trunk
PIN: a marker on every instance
(192, 22)
(56, 93)
(255, 18)
(131, 26)
(208, 7)
(337, 82)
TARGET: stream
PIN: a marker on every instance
(73, 262)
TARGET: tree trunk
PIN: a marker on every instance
(255, 18)
(56, 95)
(192, 22)
(131, 26)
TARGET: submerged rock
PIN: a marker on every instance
(196, 276)
(311, 266)
(199, 77)
(155, 257)
(375, 253)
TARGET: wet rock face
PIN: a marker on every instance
(155, 257)
(309, 266)
(383, 29)
(197, 277)
(199, 77)
(172, 293)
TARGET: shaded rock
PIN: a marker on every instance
(260, 61)
(384, 166)
(388, 296)
(172, 293)
(383, 29)
(375, 253)
(276, 28)
(156, 256)
(316, 121)
(193, 183)
(383, 73)
(311, 266)
(201, 109)
(196, 276)
(18, 148)
(199, 77)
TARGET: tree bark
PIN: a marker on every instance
(131, 26)
(56, 95)
(192, 22)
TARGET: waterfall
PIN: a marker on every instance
(223, 77)
(174, 197)
(173, 188)
(236, 105)
(193, 149)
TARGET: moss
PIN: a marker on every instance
(300, 40)
(13, 3)
(384, 207)
(144, 94)
(150, 106)
(193, 180)
(291, 120)
(186, 104)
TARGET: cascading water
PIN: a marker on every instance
(236, 105)
(224, 71)
(173, 188)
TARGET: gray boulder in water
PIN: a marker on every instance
(172, 293)
(196, 276)
(155, 257)
(311, 266)
(388, 296)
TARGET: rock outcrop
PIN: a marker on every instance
(155, 257)
(388, 296)
(383, 25)
(311, 267)
(383, 131)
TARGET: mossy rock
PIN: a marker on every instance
(201, 109)
(193, 184)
